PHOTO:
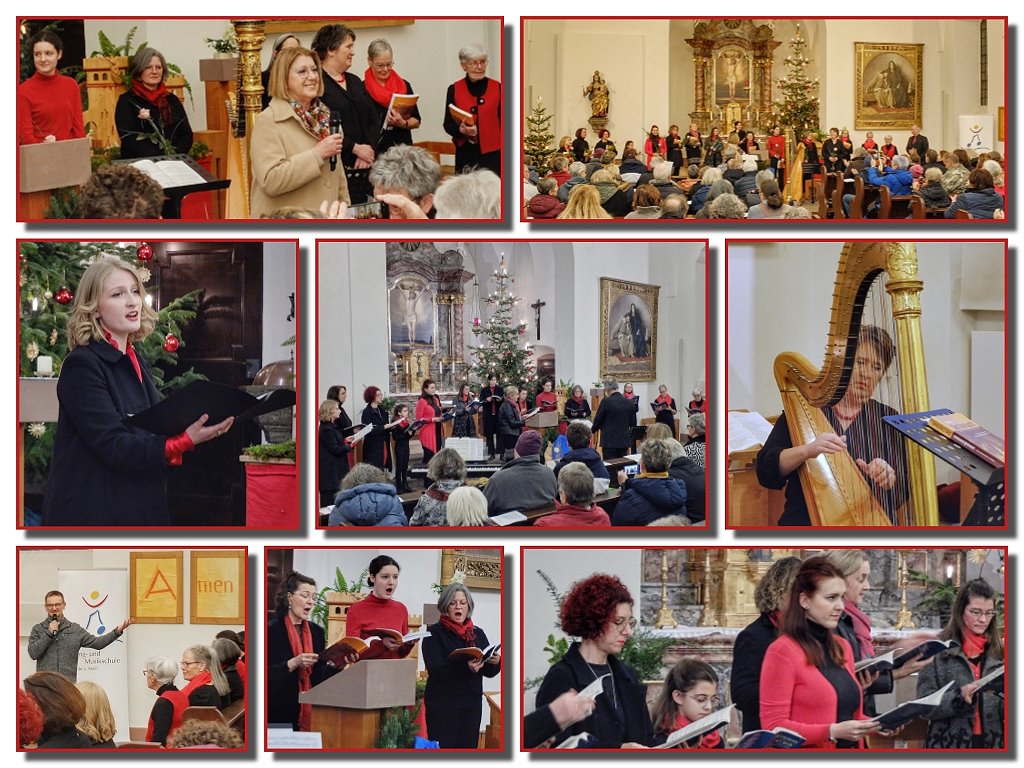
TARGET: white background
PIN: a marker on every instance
(509, 539)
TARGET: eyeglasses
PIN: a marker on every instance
(305, 595)
(382, 64)
(621, 624)
(978, 614)
(478, 63)
(703, 699)
(147, 673)
(187, 664)
(54, 606)
(305, 72)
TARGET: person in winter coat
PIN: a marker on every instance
(523, 483)
(367, 498)
(967, 718)
(332, 458)
(510, 423)
(932, 191)
(615, 200)
(545, 204)
(575, 507)
(578, 435)
(980, 200)
(652, 494)
(448, 471)
(577, 175)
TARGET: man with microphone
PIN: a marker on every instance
(55, 642)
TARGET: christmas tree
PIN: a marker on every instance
(49, 273)
(798, 108)
(537, 144)
(501, 353)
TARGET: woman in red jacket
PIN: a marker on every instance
(379, 610)
(655, 145)
(807, 680)
(429, 407)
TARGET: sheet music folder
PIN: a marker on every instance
(176, 413)
(915, 427)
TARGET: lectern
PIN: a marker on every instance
(43, 168)
(347, 707)
(542, 420)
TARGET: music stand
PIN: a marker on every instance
(172, 205)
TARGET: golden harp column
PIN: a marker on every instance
(904, 288)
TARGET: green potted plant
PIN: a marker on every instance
(225, 46)
(271, 485)
(343, 591)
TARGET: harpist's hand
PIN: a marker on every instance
(826, 442)
(200, 433)
(879, 472)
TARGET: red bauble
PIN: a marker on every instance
(63, 295)
(171, 343)
(144, 252)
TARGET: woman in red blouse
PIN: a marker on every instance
(429, 407)
(807, 680)
(49, 104)
(379, 610)
(546, 399)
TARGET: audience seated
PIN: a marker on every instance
(577, 175)
(121, 192)
(954, 180)
(746, 183)
(97, 722)
(205, 734)
(471, 195)
(606, 160)
(661, 173)
(545, 204)
(932, 191)
(407, 171)
(614, 197)
(717, 188)
(632, 164)
(30, 719)
(726, 206)
(467, 506)
(529, 188)
(228, 654)
(998, 179)
(366, 498)
(579, 436)
(646, 203)
(700, 193)
(63, 706)
(448, 471)
(980, 199)
(559, 170)
(575, 507)
(652, 494)
(674, 206)
(687, 471)
(523, 483)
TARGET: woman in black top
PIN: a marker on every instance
(627, 392)
(283, 41)
(490, 396)
(332, 458)
(580, 146)
(402, 436)
(207, 686)
(228, 653)
(160, 672)
(377, 444)
(674, 148)
(63, 706)
(510, 423)
(453, 696)
(834, 152)
(463, 425)
(151, 120)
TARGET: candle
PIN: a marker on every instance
(407, 367)
(44, 364)
(949, 573)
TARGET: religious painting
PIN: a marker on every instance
(217, 586)
(476, 568)
(157, 587)
(411, 316)
(732, 77)
(888, 86)
(629, 330)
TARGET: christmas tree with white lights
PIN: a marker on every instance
(503, 351)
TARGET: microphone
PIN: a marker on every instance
(335, 129)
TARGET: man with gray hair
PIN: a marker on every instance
(470, 195)
(577, 175)
(746, 183)
(410, 172)
(652, 494)
(612, 421)
(662, 181)
(575, 507)
(674, 206)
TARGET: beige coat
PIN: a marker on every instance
(286, 170)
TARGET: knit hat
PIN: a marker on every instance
(528, 443)
(917, 171)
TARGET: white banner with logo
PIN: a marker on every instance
(98, 601)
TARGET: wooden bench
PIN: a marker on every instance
(919, 210)
(827, 188)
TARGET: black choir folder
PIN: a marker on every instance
(180, 410)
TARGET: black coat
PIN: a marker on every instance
(207, 696)
(574, 672)
(129, 126)
(354, 107)
(332, 459)
(453, 696)
(614, 415)
(67, 738)
(282, 685)
(377, 444)
(692, 476)
(510, 420)
(747, 657)
(103, 472)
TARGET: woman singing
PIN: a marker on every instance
(49, 104)
(454, 693)
(580, 146)
(294, 645)
(967, 718)
(654, 144)
(463, 425)
(777, 152)
(599, 611)
(807, 680)
(666, 411)
(377, 444)
(429, 407)
(479, 144)
(546, 399)
(379, 610)
(491, 397)
(333, 454)
(103, 471)
(689, 693)
(577, 407)
(674, 148)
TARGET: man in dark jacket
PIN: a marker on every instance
(55, 642)
(917, 142)
(690, 473)
(612, 421)
(652, 494)
(524, 483)
(578, 435)
(630, 164)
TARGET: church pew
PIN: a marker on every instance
(919, 210)
(837, 201)
(826, 193)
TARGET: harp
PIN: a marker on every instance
(835, 489)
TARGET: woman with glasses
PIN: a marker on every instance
(689, 693)
(599, 611)
(808, 684)
(207, 686)
(454, 692)
(477, 141)
(294, 645)
(293, 141)
(393, 125)
(967, 718)
(151, 121)
(165, 716)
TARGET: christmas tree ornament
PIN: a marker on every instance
(32, 350)
(47, 294)
(64, 295)
(144, 252)
(171, 343)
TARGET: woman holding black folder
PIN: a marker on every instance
(376, 444)
(105, 473)
(453, 697)
(665, 412)
(429, 407)
(967, 718)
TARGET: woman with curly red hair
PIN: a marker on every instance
(377, 444)
(599, 611)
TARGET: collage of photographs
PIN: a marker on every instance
(340, 487)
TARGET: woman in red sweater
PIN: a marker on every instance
(807, 680)
(379, 610)
(429, 407)
(49, 104)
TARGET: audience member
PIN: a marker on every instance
(726, 206)
(448, 471)
(165, 715)
(545, 204)
(674, 207)
(559, 170)
(228, 654)
(772, 205)
(467, 506)
(97, 722)
(955, 179)
(205, 734)
(30, 719)
(932, 191)
(523, 483)
(577, 176)
(408, 171)
(646, 203)
(584, 203)
(615, 198)
(579, 437)
(653, 493)
(63, 706)
(529, 188)
(696, 428)
(367, 498)
(700, 193)
(574, 507)
(121, 192)
(980, 199)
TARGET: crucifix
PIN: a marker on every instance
(536, 308)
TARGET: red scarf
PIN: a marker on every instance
(466, 631)
(157, 97)
(382, 93)
(130, 351)
(203, 678)
(975, 647)
(861, 628)
(303, 645)
(708, 741)
(666, 398)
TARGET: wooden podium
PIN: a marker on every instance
(542, 420)
(43, 168)
(347, 707)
